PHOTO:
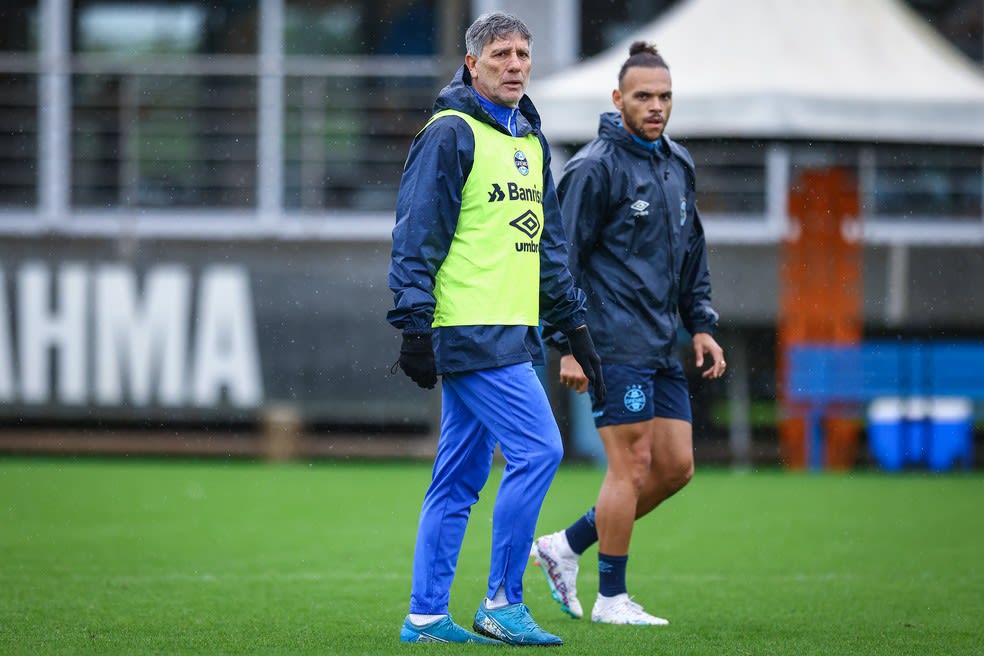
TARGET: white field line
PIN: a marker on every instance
(278, 577)
(223, 578)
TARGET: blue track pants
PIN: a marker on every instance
(508, 406)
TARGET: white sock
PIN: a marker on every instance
(422, 620)
(565, 546)
(499, 600)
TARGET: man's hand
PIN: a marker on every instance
(572, 375)
(583, 350)
(417, 359)
(704, 344)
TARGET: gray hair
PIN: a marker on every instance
(489, 27)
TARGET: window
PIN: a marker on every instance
(154, 28)
(18, 140)
(731, 176)
(152, 125)
(163, 140)
(347, 137)
(19, 26)
(156, 125)
(604, 24)
(925, 182)
(341, 27)
(18, 104)
(163, 102)
(349, 120)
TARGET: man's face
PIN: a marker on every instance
(502, 71)
(645, 99)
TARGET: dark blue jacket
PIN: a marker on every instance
(637, 246)
(427, 208)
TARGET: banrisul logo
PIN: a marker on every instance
(522, 164)
(634, 399)
(496, 194)
(514, 192)
(528, 224)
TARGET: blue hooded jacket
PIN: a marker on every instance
(637, 246)
(427, 208)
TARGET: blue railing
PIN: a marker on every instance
(828, 379)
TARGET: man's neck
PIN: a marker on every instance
(655, 146)
(504, 116)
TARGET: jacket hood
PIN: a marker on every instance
(458, 95)
(610, 128)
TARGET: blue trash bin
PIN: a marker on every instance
(885, 432)
(916, 430)
(951, 433)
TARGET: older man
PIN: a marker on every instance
(478, 254)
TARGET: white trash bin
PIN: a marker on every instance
(951, 433)
(885, 432)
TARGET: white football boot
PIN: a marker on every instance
(620, 609)
(553, 555)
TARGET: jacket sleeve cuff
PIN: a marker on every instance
(703, 328)
(556, 340)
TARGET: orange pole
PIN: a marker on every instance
(820, 299)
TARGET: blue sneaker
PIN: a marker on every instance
(513, 625)
(442, 630)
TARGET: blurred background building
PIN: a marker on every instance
(196, 199)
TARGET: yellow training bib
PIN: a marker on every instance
(491, 275)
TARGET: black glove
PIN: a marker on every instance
(417, 359)
(583, 350)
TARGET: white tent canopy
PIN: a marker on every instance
(858, 70)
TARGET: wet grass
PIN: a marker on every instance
(111, 556)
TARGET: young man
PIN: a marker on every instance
(478, 253)
(638, 251)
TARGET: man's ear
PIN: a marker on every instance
(617, 99)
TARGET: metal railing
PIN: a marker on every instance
(175, 144)
(185, 134)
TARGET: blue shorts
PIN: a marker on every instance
(638, 394)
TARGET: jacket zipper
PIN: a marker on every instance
(668, 218)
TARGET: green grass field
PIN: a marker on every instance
(112, 556)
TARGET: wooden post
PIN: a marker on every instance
(282, 429)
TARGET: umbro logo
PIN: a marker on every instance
(640, 207)
(527, 223)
